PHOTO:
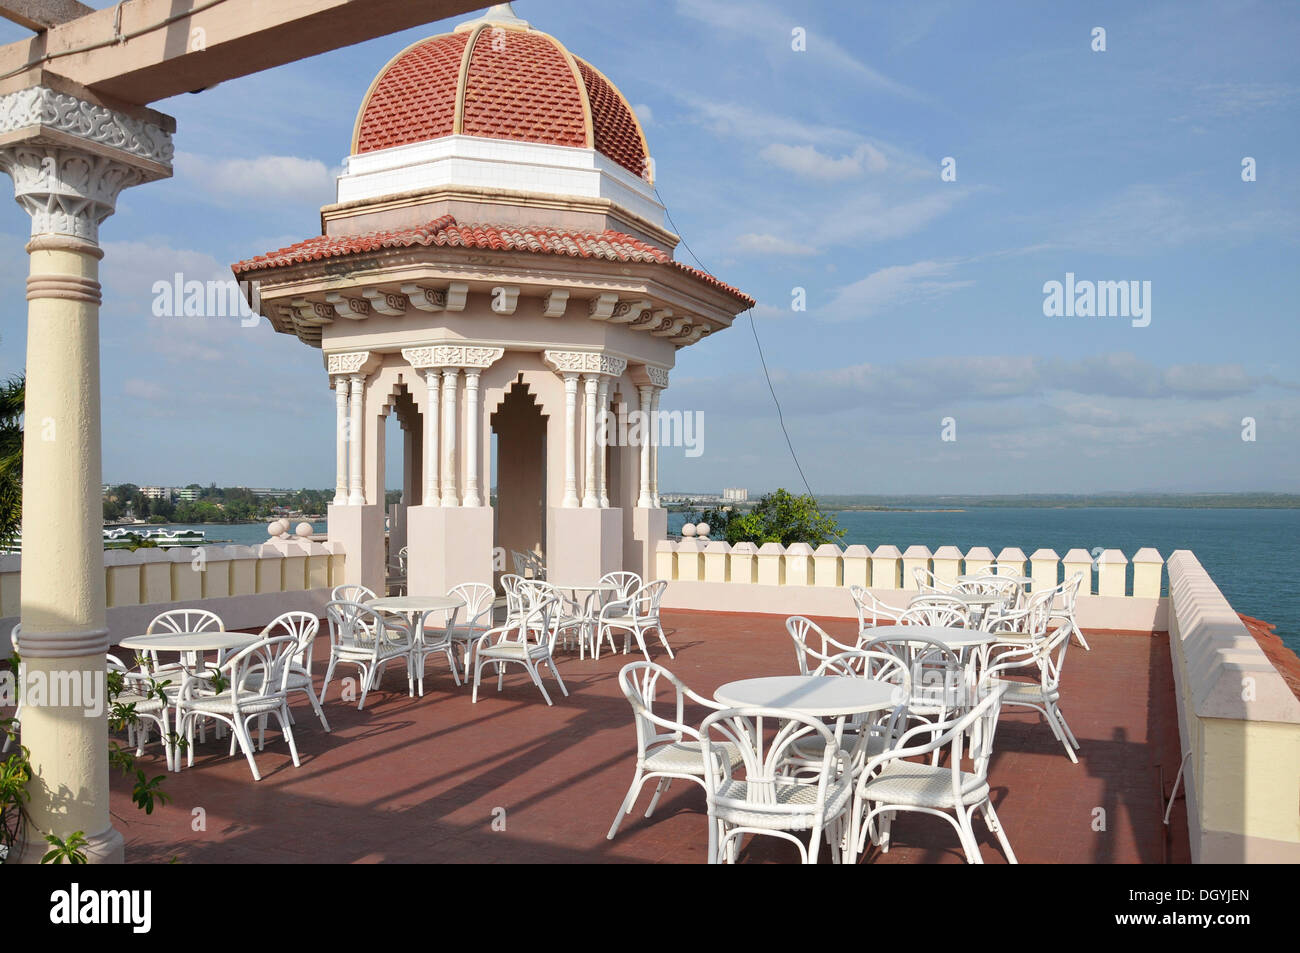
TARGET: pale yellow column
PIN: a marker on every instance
(75, 158)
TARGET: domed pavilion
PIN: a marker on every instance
(497, 263)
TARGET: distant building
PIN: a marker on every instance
(188, 494)
(155, 492)
(735, 494)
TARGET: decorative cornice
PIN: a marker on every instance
(585, 362)
(452, 355)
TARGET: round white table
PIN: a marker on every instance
(951, 636)
(818, 696)
(984, 577)
(189, 642)
(587, 619)
(415, 609)
(967, 598)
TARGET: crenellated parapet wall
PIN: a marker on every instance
(712, 574)
(1239, 725)
(246, 585)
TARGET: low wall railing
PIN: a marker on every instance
(245, 585)
(1239, 724)
(1126, 594)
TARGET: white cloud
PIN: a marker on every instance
(644, 113)
(893, 286)
(274, 178)
(764, 244)
(810, 163)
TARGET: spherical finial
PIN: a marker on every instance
(702, 529)
(688, 529)
(274, 528)
(304, 529)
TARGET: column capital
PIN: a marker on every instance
(69, 158)
(585, 362)
(452, 355)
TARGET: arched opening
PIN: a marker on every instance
(402, 466)
(519, 427)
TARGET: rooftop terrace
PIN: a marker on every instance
(421, 780)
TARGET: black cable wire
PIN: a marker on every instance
(758, 344)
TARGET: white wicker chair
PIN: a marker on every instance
(808, 658)
(758, 796)
(1047, 658)
(258, 678)
(890, 783)
(364, 637)
(148, 708)
(939, 688)
(927, 581)
(626, 584)
(666, 746)
(635, 616)
(480, 600)
(869, 607)
(179, 621)
(525, 640)
(1065, 612)
(936, 609)
(304, 627)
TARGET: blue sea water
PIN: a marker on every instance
(1251, 554)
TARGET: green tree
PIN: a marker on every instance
(13, 394)
(778, 517)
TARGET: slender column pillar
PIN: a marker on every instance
(450, 496)
(590, 497)
(645, 499)
(431, 450)
(472, 425)
(357, 492)
(602, 444)
(67, 176)
(654, 446)
(570, 438)
(340, 441)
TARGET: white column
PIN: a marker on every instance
(570, 438)
(602, 444)
(449, 379)
(590, 499)
(472, 424)
(654, 446)
(357, 494)
(341, 441)
(431, 451)
(644, 499)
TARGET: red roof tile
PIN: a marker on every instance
(446, 232)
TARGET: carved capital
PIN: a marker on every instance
(452, 355)
(350, 362)
(585, 362)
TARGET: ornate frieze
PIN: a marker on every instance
(585, 362)
(351, 362)
(452, 355)
(658, 375)
(65, 113)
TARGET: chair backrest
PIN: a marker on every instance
(870, 608)
(938, 677)
(354, 624)
(186, 620)
(14, 634)
(958, 733)
(641, 684)
(992, 584)
(645, 601)
(262, 669)
(808, 656)
(302, 626)
(401, 559)
(510, 586)
(926, 581)
(352, 592)
(928, 609)
(479, 599)
(537, 610)
(877, 666)
(763, 759)
(627, 583)
(528, 565)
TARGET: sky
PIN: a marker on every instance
(801, 152)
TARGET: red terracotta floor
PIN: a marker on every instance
(424, 779)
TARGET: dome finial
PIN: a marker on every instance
(499, 14)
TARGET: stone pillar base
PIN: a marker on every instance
(361, 531)
(649, 526)
(583, 544)
(447, 545)
(106, 847)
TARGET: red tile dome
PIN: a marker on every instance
(499, 79)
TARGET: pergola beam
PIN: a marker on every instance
(142, 51)
(40, 15)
